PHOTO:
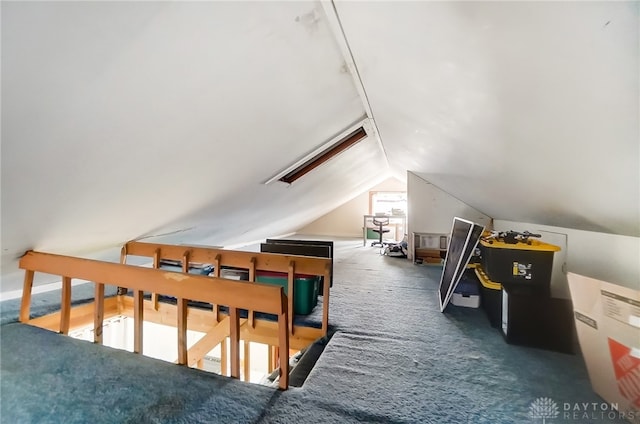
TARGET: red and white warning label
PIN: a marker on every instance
(627, 370)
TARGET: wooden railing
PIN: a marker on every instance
(234, 294)
(289, 264)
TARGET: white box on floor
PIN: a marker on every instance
(607, 318)
(466, 294)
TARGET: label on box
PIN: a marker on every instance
(587, 320)
(522, 270)
(621, 308)
(627, 370)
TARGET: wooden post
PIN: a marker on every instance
(224, 358)
(290, 284)
(283, 338)
(325, 300)
(273, 358)
(234, 335)
(120, 291)
(138, 320)
(210, 340)
(247, 361)
(156, 265)
(257, 297)
(216, 265)
(182, 318)
(216, 273)
(27, 286)
(182, 331)
(252, 278)
(65, 306)
(123, 255)
(98, 313)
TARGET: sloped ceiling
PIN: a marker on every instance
(123, 120)
(130, 119)
(527, 111)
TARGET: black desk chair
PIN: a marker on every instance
(380, 222)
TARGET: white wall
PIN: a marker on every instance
(346, 220)
(432, 210)
(607, 257)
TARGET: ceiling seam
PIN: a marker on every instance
(332, 14)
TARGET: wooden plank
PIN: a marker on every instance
(123, 260)
(264, 331)
(216, 273)
(182, 318)
(65, 305)
(185, 261)
(264, 261)
(290, 295)
(216, 266)
(123, 254)
(156, 264)
(283, 337)
(247, 361)
(224, 358)
(201, 320)
(81, 316)
(234, 337)
(98, 313)
(272, 358)
(181, 325)
(252, 269)
(155, 300)
(25, 305)
(138, 320)
(210, 340)
(325, 300)
(239, 294)
(252, 279)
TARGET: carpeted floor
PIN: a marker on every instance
(393, 359)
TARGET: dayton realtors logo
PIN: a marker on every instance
(545, 409)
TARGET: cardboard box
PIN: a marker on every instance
(607, 318)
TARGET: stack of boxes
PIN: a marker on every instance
(515, 281)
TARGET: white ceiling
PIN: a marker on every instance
(123, 120)
(527, 111)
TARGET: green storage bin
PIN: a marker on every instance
(305, 289)
(372, 235)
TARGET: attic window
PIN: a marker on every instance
(334, 150)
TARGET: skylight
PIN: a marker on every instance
(335, 149)
(350, 136)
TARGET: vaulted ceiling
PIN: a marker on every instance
(123, 120)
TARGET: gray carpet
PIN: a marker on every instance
(48, 302)
(393, 359)
(397, 359)
(86, 383)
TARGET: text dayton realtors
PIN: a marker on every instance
(595, 411)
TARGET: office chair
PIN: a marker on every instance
(380, 222)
